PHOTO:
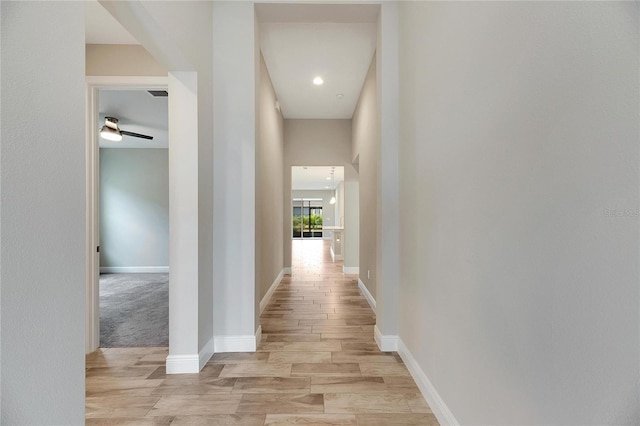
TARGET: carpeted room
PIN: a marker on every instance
(134, 222)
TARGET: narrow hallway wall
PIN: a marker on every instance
(269, 189)
(519, 158)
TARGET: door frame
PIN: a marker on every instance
(92, 207)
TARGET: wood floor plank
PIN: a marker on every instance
(238, 358)
(339, 384)
(195, 405)
(119, 406)
(266, 369)
(297, 385)
(365, 403)
(220, 420)
(310, 419)
(300, 357)
(324, 369)
(131, 421)
(281, 403)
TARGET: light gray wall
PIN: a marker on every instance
(234, 138)
(519, 199)
(134, 207)
(314, 143)
(42, 238)
(269, 191)
(365, 150)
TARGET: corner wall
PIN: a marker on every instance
(365, 140)
(42, 237)
(519, 199)
(269, 191)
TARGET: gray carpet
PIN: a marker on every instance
(134, 310)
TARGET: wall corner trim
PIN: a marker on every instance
(351, 270)
(183, 364)
(237, 343)
(265, 300)
(386, 343)
(440, 410)
(206, 353)
(367, 295)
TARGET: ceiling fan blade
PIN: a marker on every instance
(136, 135)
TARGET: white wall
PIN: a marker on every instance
(269, 191)
(42, 175)
(134, 208)
(234, 125)
(365, 149)
(519, 138)
(314, 143)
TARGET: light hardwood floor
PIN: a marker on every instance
(317, 364)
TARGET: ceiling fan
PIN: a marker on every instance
(111, 132)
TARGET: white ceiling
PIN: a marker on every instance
(303, 177)
(137, 111)
(298, 42)
(295, 53)
(102, 28)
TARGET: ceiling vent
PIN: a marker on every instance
(159, 93)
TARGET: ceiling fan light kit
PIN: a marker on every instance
(111, 132)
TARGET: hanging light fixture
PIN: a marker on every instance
(110, 130)
(333, 185)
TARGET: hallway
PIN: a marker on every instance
(317, 364)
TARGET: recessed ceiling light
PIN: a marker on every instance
(318, 81)
(327, 187)
(328, 177)
(340, 96)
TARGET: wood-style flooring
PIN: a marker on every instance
(317, 364)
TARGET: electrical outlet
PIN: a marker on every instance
(368, 274)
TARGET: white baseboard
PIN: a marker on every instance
(240, 343)
(134, 269)
(354, 270)
(437, 404)
(287, 270)
(386, 343)
(183, 364)
(265, 300)
(206, 353)
(365, 292)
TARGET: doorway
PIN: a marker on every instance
(134, 218)
(118, 161)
